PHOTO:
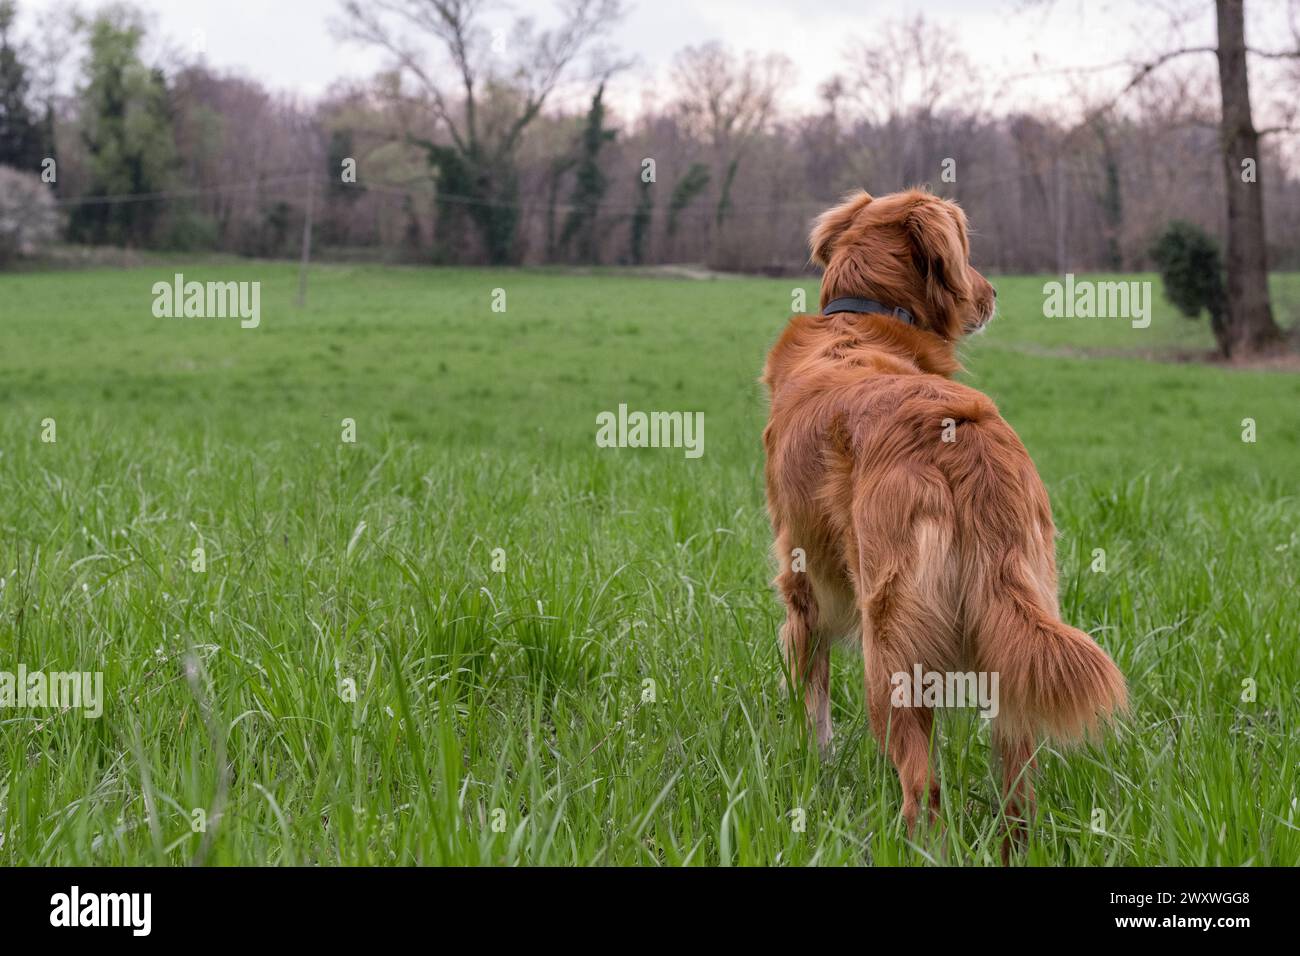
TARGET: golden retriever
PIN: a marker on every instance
(907, 513)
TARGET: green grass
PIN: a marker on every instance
(521, 699)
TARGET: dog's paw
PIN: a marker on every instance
(825, 745)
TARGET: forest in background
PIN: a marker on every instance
(715, 169)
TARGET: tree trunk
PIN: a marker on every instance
(1250, 317)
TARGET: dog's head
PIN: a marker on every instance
(906, 249)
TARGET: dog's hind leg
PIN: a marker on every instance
(1015, 757)
(906, 585)
(807, 654)
(903, 733)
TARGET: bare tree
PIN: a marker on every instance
(912, 68)
(908, 81)
(501, 83)
(1250, 327)
(1250, 316)
(727, 100)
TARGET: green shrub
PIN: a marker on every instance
(1192, 271)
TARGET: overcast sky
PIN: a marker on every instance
(289, 44)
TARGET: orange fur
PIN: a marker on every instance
(938, 553)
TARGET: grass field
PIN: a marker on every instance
(506, 717)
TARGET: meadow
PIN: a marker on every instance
(473, 637)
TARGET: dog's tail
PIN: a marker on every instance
(1052, 678)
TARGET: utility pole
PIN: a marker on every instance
(1060, 217)
(306, 247)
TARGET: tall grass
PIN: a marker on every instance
(349, 681)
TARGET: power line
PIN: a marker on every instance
(962, 188)
(399, 189)
(191, 193)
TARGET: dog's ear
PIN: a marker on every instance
(936, 230)
(832, 223)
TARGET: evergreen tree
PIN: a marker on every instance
(590, 183)
(693, 182)
(21, 137)
(127, 128)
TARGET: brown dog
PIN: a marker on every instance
(920, 521)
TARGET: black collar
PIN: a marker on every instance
(867, 305)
